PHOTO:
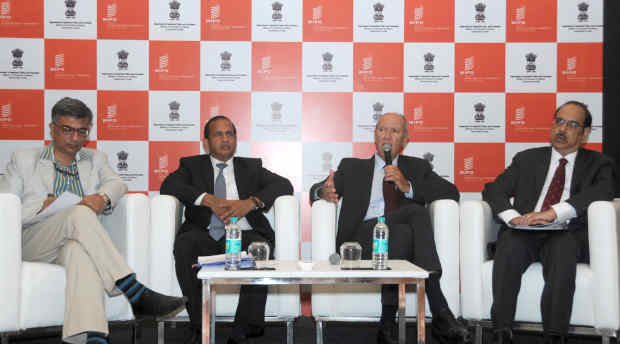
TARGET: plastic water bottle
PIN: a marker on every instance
(233, 245)
(380, 245)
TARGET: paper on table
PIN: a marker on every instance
(548, 227)
(64, 201)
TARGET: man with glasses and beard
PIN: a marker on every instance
(74, 237)
(550, 185)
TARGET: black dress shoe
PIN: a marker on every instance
(446, 329)
(155, 305)
(255, 331)
(388, 333)
(192, 336)
(502, 336)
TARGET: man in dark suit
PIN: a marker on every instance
(371, 188)
(213, 188)
(550, 185)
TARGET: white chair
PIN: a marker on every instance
(32, 294)
(596, 305)
(282, 301)
(363, 302)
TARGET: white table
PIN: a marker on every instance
(289, 272)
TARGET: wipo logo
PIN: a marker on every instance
(519, 16)
(366, 65)
(468, 165)
(418, 115)
(519, 118)
(265, 65)
(59, 63)
(418, 16)
(5, 113)
(163, 64)
(468, 66)
(5, 10)
(317, 15)
(110, 115)
(214, 14)
(214, 110)
(571, 66)
(111, 12)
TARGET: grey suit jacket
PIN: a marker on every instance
(31, 178)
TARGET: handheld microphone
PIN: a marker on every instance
(387, 153)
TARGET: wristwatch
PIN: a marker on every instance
(258, 204)
(108, 202)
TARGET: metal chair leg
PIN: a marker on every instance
(319, 331)
(478, 334)
(289, 331)
(604, 339)
(161, 326)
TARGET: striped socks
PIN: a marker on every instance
(96, 338)
(130, 286)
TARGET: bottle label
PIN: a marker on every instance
(233, 245)
(379, 245)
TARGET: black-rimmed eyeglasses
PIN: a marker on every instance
(68, 130)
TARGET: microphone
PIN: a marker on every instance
(334, 259)
(387, 153)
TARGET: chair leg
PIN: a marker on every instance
(161, 326)
(289, 332)
(604, 339)
(4, 339)
(319, 331)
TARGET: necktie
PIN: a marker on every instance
(556, 187)
(391, 196)
(216, 228)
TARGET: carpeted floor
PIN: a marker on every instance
(304, 331)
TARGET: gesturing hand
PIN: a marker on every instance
(328, 191)
(393, 174)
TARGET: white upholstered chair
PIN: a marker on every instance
(32, 294)
(363, 302)
(283, 303)
(596, 305)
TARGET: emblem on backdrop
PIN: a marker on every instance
(174, 114)
(479, 112)
(122, 160)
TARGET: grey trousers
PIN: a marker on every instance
(75, 239)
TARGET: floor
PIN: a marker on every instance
(304, 331)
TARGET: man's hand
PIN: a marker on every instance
(216, 204)
(393, 174)
(49, 200)
(535, 218)
(328, 191)
(95, 202)
(236, 208)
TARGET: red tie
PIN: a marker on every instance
(391, 196)
(557, 186)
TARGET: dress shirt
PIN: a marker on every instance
(231, 187)
(563, 210)
(376, 207)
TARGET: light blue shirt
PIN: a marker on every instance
(376, 207)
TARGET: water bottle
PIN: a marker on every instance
(380, 245)
(233, 245)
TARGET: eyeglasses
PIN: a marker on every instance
(68, 131)
(558, 121)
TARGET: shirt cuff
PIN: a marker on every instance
(564, 212)
(409, 194)
(508, 215)
(198, 200)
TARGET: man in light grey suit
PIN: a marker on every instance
(74, 237)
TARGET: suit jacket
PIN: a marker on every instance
(31, 178)
(195, 176)
(593, 180)
(353, 181)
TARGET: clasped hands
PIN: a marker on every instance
(392, 174)
(535, 218)
(224, 209)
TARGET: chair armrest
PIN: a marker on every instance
(165, 222)
(603, 226)
(11, 262)
(323, 229)
(286, 227)
(477, 230)
(128, 227)
(445, 219)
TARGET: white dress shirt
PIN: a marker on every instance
(376, 207)
(231, 187)
(563, 210)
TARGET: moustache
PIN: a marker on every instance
(561, 136)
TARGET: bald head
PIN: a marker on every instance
(392, 129)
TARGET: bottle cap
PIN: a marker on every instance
(233, 220)
(381, 219)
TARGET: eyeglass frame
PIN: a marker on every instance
(572, 124)
(69, 130)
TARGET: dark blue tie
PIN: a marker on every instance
(216, 228)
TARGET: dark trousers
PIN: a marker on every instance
(196, 242)
(559, 253)
(411, 238)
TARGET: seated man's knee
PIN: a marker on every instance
(81, 217)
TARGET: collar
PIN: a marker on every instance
(48, 154)
(555, 156)
(215, 161)
(380, 163)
